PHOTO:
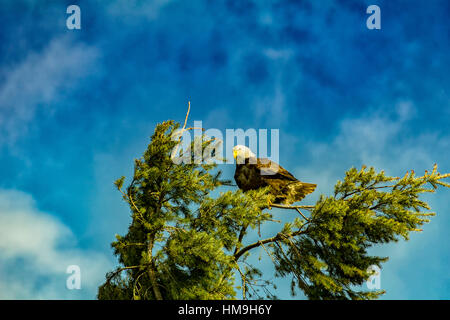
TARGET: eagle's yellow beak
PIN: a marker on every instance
(234, 154)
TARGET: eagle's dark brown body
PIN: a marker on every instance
(257, 173)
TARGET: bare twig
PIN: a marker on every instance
(297, 208)
(131, 200)
(243, 280)
(240, 237)
(302, 214)
(284, 206)
(268, 253)
(174, 228)
(371, 187)
(136, 283)
(174, 154)
(187, 115)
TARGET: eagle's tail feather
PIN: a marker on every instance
(306, 188)
(297, 191)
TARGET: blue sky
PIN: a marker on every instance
(76, 106)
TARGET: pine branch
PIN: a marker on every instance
(278, 236)
(283, 206)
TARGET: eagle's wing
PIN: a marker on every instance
(273, 170)
(287, 188)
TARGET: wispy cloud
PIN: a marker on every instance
(35, 251)
(39, 81)
(374, 138)
(133, 9)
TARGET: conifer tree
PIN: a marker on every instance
(187, 241)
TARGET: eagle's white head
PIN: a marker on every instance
(240, 153)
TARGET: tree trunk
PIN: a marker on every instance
(152, 272)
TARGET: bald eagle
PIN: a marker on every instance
(253, 173)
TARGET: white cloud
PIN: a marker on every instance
(38, 81)
(374, 139)
(271, 108)
(35, 251)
